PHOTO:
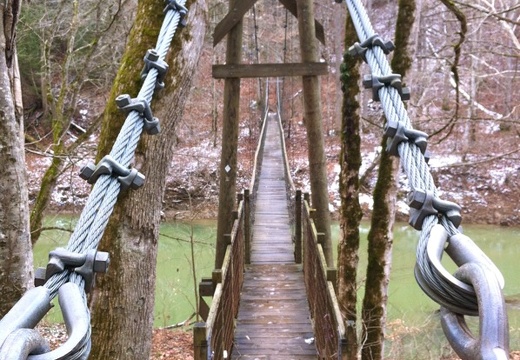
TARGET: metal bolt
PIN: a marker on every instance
(101, 262)
(123, 100)
(152, 55)
(416, 198)
(405, 93)
(39, 276)
(86, 171)
(367, 81)
(138, 181)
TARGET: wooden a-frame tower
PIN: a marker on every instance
(309, 69)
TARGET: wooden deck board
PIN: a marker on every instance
(273, 321)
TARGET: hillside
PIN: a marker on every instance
(474, 150)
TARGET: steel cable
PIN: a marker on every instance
(413, 163)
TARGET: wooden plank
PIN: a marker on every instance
(291, 6)
(269, 70)
(273, 319)
(231, 19)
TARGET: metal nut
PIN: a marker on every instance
(138, 181)
(416, 198)
(101, 262)
(86, 171)
(123, 100)
(152, 55)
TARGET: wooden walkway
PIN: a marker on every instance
(273, 319)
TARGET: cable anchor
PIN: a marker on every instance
(377, 82)
(129, 178)
(424, 203)
(126, 103)
(18, 339)
(397, 132)
(360, 49)
(183, 10)
(87, 265)
(152, 61)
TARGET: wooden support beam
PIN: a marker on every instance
(239, 10)
(235, 14)
(291, 6)
(269, 70)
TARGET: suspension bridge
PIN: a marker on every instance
(274, 296)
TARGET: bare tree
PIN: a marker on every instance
(75, 51)
(15, 245)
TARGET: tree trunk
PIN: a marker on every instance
(228, 157)
(351, 213)
(123, 300)
(380, 240)
(15, 244)
(314, 125)
(380, 237)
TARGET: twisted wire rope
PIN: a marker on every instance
(412, 162)
(103, 196)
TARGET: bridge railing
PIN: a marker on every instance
(329, 330)
(213, 339)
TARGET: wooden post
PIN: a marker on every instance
(228, 158)
(313, 123)
(247, 227)
(200, 344)
(298, 228)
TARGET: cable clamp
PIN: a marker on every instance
(183, 10)
(397, 132)
(377, 82)
(360, 49)
(126, 103)
(87, 265)
(152, 61)
(424, 203)
(129, 178)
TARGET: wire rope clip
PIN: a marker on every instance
(378, 82)
(360, 49)
(87, 265)
(424, 203)
(126, 103)
(152, 61)
(183, 10)
(397, 132)
(129, 178)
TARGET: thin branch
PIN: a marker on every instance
(479, 162)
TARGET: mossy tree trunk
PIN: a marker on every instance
(380, 237)
(15, 244)
(350, 161)
(123, 300)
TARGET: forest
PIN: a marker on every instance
(66, 62)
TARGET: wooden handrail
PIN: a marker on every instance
(329, 330)
(214, 338)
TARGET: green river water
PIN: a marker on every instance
(413, 319)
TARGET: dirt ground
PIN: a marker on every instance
(168, 344)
